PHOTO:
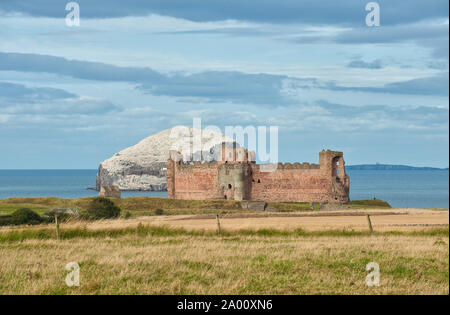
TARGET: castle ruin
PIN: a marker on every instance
(236, 176)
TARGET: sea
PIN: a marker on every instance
(401, 188)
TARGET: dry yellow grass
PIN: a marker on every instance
(189, 263)
(235, 265)
(382, 221)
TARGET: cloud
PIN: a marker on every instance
(439, 46)
(20, 93)
(335, 118)
(248, 31)
(422, 116)
(430, 33)
(223, 86)
(426, 34)
(376, 64)
(91, 138)
(75, 68)
(438, 64)
(394, 33)
(369, 119)
(17, 99)
(435, 85)
(211, 85)
(350, 12)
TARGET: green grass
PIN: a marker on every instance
(20, 235)
(134, 205)
(139, 206)
(291, 206)
(7, 209)
(371, 203)
(161, 260)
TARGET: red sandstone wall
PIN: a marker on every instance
(301, 185)
(195, 182)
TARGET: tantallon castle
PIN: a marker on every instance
(236, 176)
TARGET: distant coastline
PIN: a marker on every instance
(389, 167)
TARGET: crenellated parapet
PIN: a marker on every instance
(297, 166)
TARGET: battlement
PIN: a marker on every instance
(229, 155)
(299, 166)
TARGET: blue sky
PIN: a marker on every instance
(71, 97)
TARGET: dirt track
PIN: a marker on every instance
(382, 220)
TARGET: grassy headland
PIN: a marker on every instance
(150, 206)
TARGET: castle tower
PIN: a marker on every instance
(174, 157)
(332, 166)
(231, 173)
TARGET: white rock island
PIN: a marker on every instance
(142, 167)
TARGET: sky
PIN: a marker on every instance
(71, 97)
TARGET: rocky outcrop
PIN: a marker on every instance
(109, 192)
(143, 166)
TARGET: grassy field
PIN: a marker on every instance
(134, 205)
(159, 260)
(295, 251)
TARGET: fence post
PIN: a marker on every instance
(218, 225)
(57, 227)
(370, 224)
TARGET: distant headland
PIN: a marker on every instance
(381, 167)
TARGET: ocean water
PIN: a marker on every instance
(55, 183)
(412, 189)
(402, 189)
